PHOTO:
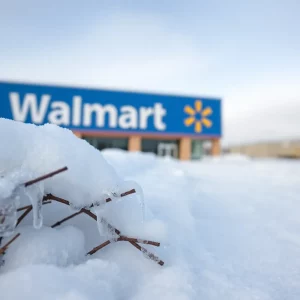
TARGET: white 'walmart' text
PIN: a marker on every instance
(81, 114)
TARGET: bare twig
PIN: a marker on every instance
(132, 241)
(27, 211)
(110, 227)
(29, 207)
(148, 254)
(66, 219)
(3, 249)
(135, 240)
(135, 244)
(94, 250)
(33, 181)
(122, 195)
(26, 207)
(120, 239)
(48, 196)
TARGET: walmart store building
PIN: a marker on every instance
(183, 127)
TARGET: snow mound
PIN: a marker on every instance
(91, 280)
(60, 247)
(31, 151)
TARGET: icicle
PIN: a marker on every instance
(37, 213)
(130, 184)
(35, 195)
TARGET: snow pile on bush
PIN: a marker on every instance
(31, 151)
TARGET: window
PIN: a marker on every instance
(103, 143)
(197, 149)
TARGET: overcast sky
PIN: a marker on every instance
(246, 52)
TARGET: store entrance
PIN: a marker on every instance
(161, 147)
(167, 149)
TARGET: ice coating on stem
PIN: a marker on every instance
(9, 201)
(6, 188)
(37, 214)
(99, 211)
(105, 230)
(8, 219)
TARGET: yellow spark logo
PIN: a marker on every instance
(198, 116)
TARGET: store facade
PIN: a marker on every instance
(178, 126)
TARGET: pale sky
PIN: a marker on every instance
(245, 52)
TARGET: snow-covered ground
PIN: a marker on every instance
(229, 228)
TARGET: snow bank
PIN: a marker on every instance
(228, 157)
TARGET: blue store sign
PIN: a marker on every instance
(110, 111)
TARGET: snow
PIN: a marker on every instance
(46, 246)
(229, 228)
(36, 150)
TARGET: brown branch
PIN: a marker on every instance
(2, 220)
(89, 213)
(132, 241)
(33, 181)
(128, 193)
(121, 239)
(94, 250)
(26, 207)
(110, 227)
(51, 196)
(144, 250)
(135, 240)
(27, 211)
(148, 253)
(122, 195)
(66, 219)
(3, 249)
(63, 201)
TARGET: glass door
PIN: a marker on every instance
(161, 147)
(167, 149)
